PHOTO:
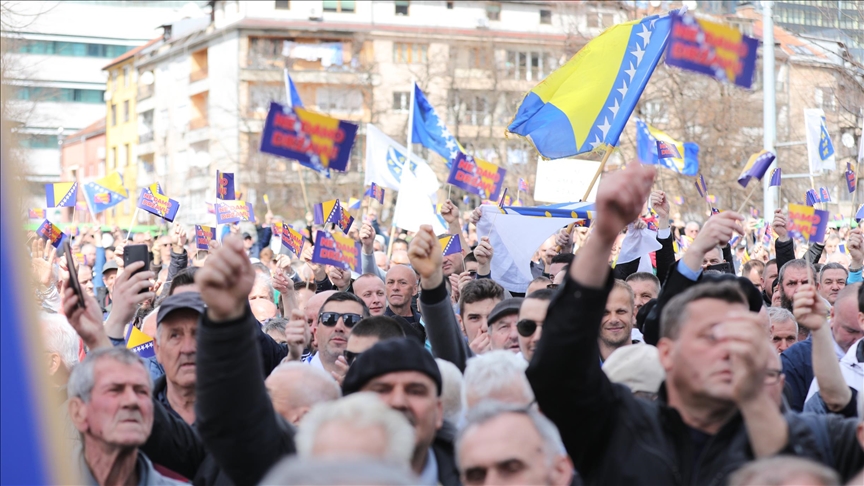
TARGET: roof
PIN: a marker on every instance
(790, 43)
(93, 129)
(130, 54)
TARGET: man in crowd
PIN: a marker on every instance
(368, 332)
(339, 313)
(769, 274)
(832, 279)
(496, 375)
(784, 329)
(401, 284)
(792, 275)
(502, 325)
(371, 289)
(618, 320)
(753, 270)
(645, 286)
(532, 314)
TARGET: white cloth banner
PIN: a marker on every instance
(414, 207)
(820, 149)
(515, 238)
(639, 244)
(385, 163)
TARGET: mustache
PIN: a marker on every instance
(130, 414)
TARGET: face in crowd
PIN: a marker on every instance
(618, 318)
(371, 289)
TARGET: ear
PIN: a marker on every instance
(462, 326)
(78, 414)
(665, 347)
(298, 414)
(54, 363)
(562, 471)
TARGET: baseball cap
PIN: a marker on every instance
(390, 356)
(183, 300)
(109, 265)
(505, 308)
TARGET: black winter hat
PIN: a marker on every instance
(390, 356)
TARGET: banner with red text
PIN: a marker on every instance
(477, 176)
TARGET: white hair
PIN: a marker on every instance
(313, 386)
(779, 314)
(451, 390)
(59, 337)
(297, 471)
(495, 375)
(83, 377)
(262, 280)
(359, 410)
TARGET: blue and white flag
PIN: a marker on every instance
(820, 149)
(292, 95)
(430, 131)
(386, 161)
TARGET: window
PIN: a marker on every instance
(546, 17)
(113, 114)
(126, 76)
(479, 58)
(112, 158)
(401, 99)
(409, 53)
(40, 142)
(74, 49)
(344, 6)
(36, 93)
(493, 11)
(342, 100)
(402, 7)
(450, 5)
(528, 66)
(282, 5)
(125, 111)
(128, 154)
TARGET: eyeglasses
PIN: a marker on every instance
(772, 376)
(330, 319)
(526, 327)
(350, 356)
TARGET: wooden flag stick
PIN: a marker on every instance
(599, 171)
(755, 186)
(392, 237)
(303, 189)
(132, 223)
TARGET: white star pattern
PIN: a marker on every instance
(623, 89)
(639, 52)
(605, 126)
(596, 143)
(652, 24)
(451, 144)
(614, 109)
(631, 72)
(645, 35)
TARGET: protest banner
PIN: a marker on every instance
(559, 180)
(51, 233)
(225, 186)
(477, 176)
(314, 140)
(337, 250)
(291, 239)
(203, 236)
(807, 223)
(233, 211)
(716, 50)
(37, 214)
(158, 204)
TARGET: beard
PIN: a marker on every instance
(785, 302)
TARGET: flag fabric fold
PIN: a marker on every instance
(61, 194)
(105, 193)
(386, 161)
(655, 147)
(430, 131)
(450, 244)
(756, 166)
(701, 187)
(586, 103)
(776, 177)
(820, 149)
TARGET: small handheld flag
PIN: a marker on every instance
(51, 233)
(501, 201)
(811, 198)
(701, 187)
(775, 177)
(851, 178)
(225, 186)
(292, 239)
(523, 185)
(37, 214)
(823, 195)
(158, 204)
(354, 203)
(808, 223)
(376, 192)
(450, 244)
(61, 194)
(139, 343)
(203, 236)
(105, 193)
(679, 200)
(711, 198)
(756, 166)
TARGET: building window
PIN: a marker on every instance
(40, 141)
(125, 111)
(528, 66)
(401, 99)
(128, 154)
(73, 49)
(113, 158)
(344, 6)
(113, 114)
(493, 11)
(409, 53)
(69, 95)
(450, 5)
(121, 157)
(402, 7)
(597, 20)
(479, 58)
(126, 76)
(546, 17)
(282, 5)
(342, 100)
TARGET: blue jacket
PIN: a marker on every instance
(797, 364)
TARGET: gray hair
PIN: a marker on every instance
(485, 411)
(59, 337)
(797, 263)
(305, 471)
(83, 378)
(780, 470)
(779, 314)
(832, 266)
(314, 385)
(359, 410)
(265, 281)
(493, 374)
(676, 312)
(451, 390)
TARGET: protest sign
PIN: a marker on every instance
(477, 176)
(151, 201)
(559, 180)
(203, 236)
(851, 179)
(51, 233)
(37, 214)
(316, 141)
(233, 211)
(225, 185)
(291, 239)
(807, 223)
(713, 49)
(337, 250)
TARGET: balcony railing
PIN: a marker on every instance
(197, 75)
(145, 91)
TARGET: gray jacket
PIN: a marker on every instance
(370, 267)
(442, 328)
(147, 475)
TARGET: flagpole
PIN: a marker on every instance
(609, 149)
(748, 198)
(132, 223)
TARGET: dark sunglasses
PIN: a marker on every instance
(330, 319)
(350, 356)
(526, 327)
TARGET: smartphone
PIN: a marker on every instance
(73, 274)
(724, 267)
(137, 253)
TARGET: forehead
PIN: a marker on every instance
(343, 306)
(786, 325)
(400, 272)
(481, 306)
(713, 253)
(707, 312)
(507, 436)
(639, 286)
(368, 282)
(534, 309)
(771, 268)
(110, 371)
(834, 273)
(794, 273)
(619, 297)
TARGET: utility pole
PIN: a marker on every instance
(769, 116)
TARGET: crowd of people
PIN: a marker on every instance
(732, 354)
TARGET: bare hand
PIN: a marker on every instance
(854, 243)
(474, 218)
(125, 299)
(481, 343)
(484, 252)
(178, 238)
(340, 278)
(86, 321)
(341, 370)
(660, 204)
(424, 253)
(449, 212)
(717, 231)
(809, 308)
(620, 199)
(42, 261)
(317, 270)
(225, 281)
(749, 350)
(779, 226)
(297, 335)
(367, 238)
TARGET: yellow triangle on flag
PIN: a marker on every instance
(137, 338)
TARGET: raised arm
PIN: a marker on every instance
(665, 255)
(232, 404)
(443, 331)
(565, 373)
(367, 239)
(784, 247)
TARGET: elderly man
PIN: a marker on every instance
(793, 274)
(407, 378)
(496, 375)
(645, 286)
(110, 404)
(784, 329)
(832, 279)
(502, 325)
(510, 444)
(401, 286)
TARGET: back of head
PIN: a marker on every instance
(59, 337)
(496, 375)
(784, 470)
(382, 327)
(637, 366)
(542, 294)
(183, 278)
(675, 313)
(477, 290)
(451, 395)
(357, 411)
(303, 471)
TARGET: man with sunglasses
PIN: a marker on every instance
(338, 315)
(532, 313)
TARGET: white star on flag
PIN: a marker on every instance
(645, 35)
(605, 126)
(614, 109)
(596, 143)
(623, 90)
(631, 72)
(639, 52)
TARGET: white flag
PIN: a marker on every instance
(385, 163)
(861, 144)
(414, 207)
(820, 149)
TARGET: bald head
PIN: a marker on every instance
(263, 309)
(295, 388)
(313, 305)
(399, 257)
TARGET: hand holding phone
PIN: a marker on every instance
(73, 274)
(137, 253)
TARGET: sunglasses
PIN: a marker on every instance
(350, 356)
(526, 327)
(330, 319)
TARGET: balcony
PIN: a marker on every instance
(197, 75)
(145, 137)
(198, 123)
(145, 91)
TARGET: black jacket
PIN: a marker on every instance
(445, 454)
(665, 258)
(785, 251)
(235, 417)
(612, 437)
